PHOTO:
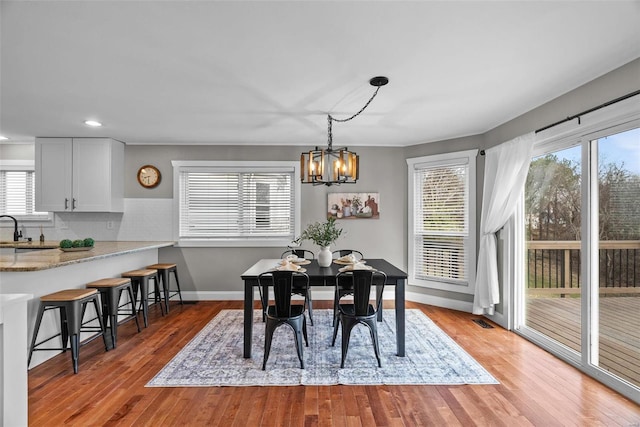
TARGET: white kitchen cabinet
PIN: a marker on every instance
(79, 175)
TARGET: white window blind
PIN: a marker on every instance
(244, 205)
(17, 189)
(442, 221)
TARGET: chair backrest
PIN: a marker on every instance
(362, 281)
(282, 283)
(342, 252)
(300, 253)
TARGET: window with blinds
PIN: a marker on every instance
(17, 189)
(246, 204)
(441, 215)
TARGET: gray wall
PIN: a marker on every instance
(383, 170)
(618, 82)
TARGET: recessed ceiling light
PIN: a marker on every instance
(3, 138)
(92, 123)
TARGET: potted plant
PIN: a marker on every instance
(323, 234)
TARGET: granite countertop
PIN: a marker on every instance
(23, 244)
(52, 258)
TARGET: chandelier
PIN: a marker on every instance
(335, 166)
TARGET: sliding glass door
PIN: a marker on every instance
(553, 203)
(616, 347)
(581, 297)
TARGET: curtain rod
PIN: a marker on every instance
(590, 110)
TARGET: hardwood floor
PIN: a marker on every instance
(535, 387)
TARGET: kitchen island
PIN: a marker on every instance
(13, 364)
(45, 271)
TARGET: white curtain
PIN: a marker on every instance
(505, 171)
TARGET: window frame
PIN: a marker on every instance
(619, 117)
(235, 167)
(43, 218)
(468, 158)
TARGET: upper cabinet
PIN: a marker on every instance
(79, 175)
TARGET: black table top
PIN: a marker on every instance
(315, 271)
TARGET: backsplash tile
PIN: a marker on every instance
(143, 220)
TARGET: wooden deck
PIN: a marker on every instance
(559, 318)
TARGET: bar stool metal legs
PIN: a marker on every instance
(163, 273)
(71, 304)
(140, 281)
(110, 293)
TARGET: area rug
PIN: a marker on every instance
(214, 356)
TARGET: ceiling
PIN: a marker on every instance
(269, 72)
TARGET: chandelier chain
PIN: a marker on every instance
(359, 112)
(335, 167)
(330, 118)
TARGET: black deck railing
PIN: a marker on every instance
(556, 264)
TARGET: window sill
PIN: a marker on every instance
(232, 243)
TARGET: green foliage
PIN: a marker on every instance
(444, 200)
(322, 234)
(553, 200)
(78, 243)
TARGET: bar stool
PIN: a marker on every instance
(140, 281)
(163, 272)
(72, 304)
(110, 293)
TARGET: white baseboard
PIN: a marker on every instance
(440, 302)
(327, 294)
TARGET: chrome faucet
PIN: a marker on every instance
(16, 235)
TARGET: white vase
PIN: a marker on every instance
(324, 257)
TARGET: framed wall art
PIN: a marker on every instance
(351, 206)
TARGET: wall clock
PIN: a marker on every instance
(149, 176)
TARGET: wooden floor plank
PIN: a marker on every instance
(258, 396)
(535, 388)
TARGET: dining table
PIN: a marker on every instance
(326, 276)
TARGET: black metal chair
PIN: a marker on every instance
(342, 252)
(283, 312)
(299, 290)
(300, 253)
(345, 290)
(361, 310)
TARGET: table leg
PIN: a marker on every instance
(248, 317)
(379, 298)
(400, 316)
